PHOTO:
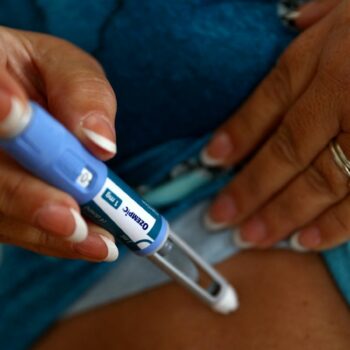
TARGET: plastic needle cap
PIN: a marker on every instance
(228, 302)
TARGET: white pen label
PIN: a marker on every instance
(125, 212)
(111, 198)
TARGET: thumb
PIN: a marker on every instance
(78, 93)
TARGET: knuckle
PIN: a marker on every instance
(279, 86)
(335, 78)
(340, 221)
(284, 147)
(95, 87)
(88, 81)
(43, 242)
(322, 181)
(334, 69)
(10, 193)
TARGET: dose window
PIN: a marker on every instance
(85, 178)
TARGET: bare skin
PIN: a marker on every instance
(288, 301)
(292, 185)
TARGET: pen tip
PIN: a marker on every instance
(228, 301)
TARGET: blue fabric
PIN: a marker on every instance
(179, 68)
(35, 290)
(338, 263)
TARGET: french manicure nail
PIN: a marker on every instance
(112, 249)
(290, 18)
(239, 242)
(100, 131)
(63, 221)
(219, 149)
(223, 210)
(254, 230)
(80, 230)
(15, 116)
(295, 243)
(288, 12)
(292, 15)
(310, 238)
(212, 225)
(97, 247)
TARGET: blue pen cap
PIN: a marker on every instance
(48, 150)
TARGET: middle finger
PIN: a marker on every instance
(320, 186)
(307, 129)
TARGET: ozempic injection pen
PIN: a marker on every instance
(47, 149)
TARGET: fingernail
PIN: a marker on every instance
(14, 115)
(100, 131)
(288, 12)
(239, 242)
(113, 252)
(222, 211)
(309, 238)
(254, 230)
(109, 236)
(97, 247)
(219, 149)
(80, 229)
(212, 225)
(291, 17)
(295, 244)
(63, 221)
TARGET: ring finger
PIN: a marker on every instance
(330, 229)
(320, 186)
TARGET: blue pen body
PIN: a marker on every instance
(51, 152)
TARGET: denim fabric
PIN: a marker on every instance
(179, 67)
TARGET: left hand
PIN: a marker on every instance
(292, 184)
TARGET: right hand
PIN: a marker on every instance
(72, 86)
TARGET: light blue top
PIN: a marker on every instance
(179, 67)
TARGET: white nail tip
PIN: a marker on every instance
(16, 120)
(295, 244)
(81, 230)
(101, 141)
(113, 252)
(209, 161)
(290, 16)
(211, 225)
(240, 242)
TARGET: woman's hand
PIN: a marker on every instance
(307, 14)
(292, 184)
(73, 87)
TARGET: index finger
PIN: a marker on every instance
(78, 93)
(306, 130)
(266, 107)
